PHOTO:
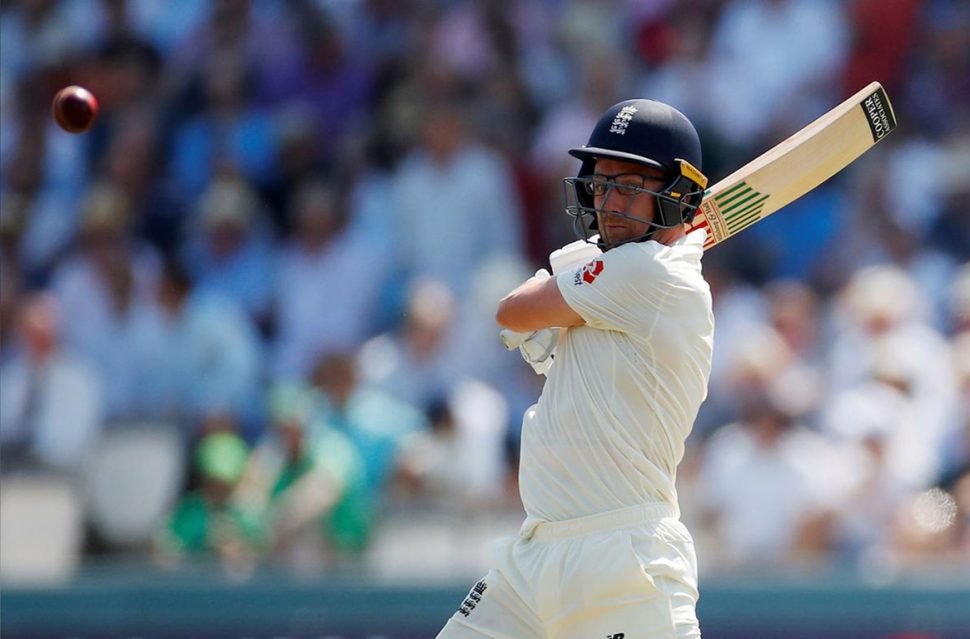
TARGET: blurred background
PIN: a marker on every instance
(250, 380)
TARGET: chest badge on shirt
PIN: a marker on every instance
(589, 273)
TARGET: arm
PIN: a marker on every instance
(536, 304)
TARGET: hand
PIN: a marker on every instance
(513, 339)
(671, 235)
(539, 349)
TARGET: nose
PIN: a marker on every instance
(614, 196)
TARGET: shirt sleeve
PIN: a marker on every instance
(628, 288)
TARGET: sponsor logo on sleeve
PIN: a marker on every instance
(588, 273)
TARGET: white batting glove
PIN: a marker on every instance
(573, 255)
(539, 350)
(513, 339)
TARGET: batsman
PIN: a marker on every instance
(623, 330)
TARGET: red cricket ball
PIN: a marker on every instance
(75, 109)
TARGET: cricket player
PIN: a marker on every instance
(602, 553)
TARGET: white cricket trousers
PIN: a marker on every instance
(623, 574)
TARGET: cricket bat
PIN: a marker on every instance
(796, 166)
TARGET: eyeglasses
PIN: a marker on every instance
(626, 184)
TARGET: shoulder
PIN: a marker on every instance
(677, 261)
(685, 252)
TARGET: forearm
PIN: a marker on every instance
(537, 346)
(534, 305)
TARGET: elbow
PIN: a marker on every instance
(503, 314)
(507, 317)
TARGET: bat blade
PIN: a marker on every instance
(796, 166)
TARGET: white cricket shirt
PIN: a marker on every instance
(609, 428)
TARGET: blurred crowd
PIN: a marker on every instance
(249, 315)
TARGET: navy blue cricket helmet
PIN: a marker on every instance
(644, 132)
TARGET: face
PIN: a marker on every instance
(625, 217)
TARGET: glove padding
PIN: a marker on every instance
(538, 348)
(573, 255)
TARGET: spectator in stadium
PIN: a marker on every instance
(876, 422)
(416, 363)
(474, 213)
(262, 38)
(206, 522)
(458, 463)
(332, 79)
(232, 132)
(795, 314)
(757, 480)
(107, 286)
(768, 74)
(375, 421)
(43, 173)
(741, 308)
(321, 263)
(306, 480)
(228, 250)
(883, 322)
(130, 162)
(205, 364)
(51, 414)
(125, 74)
